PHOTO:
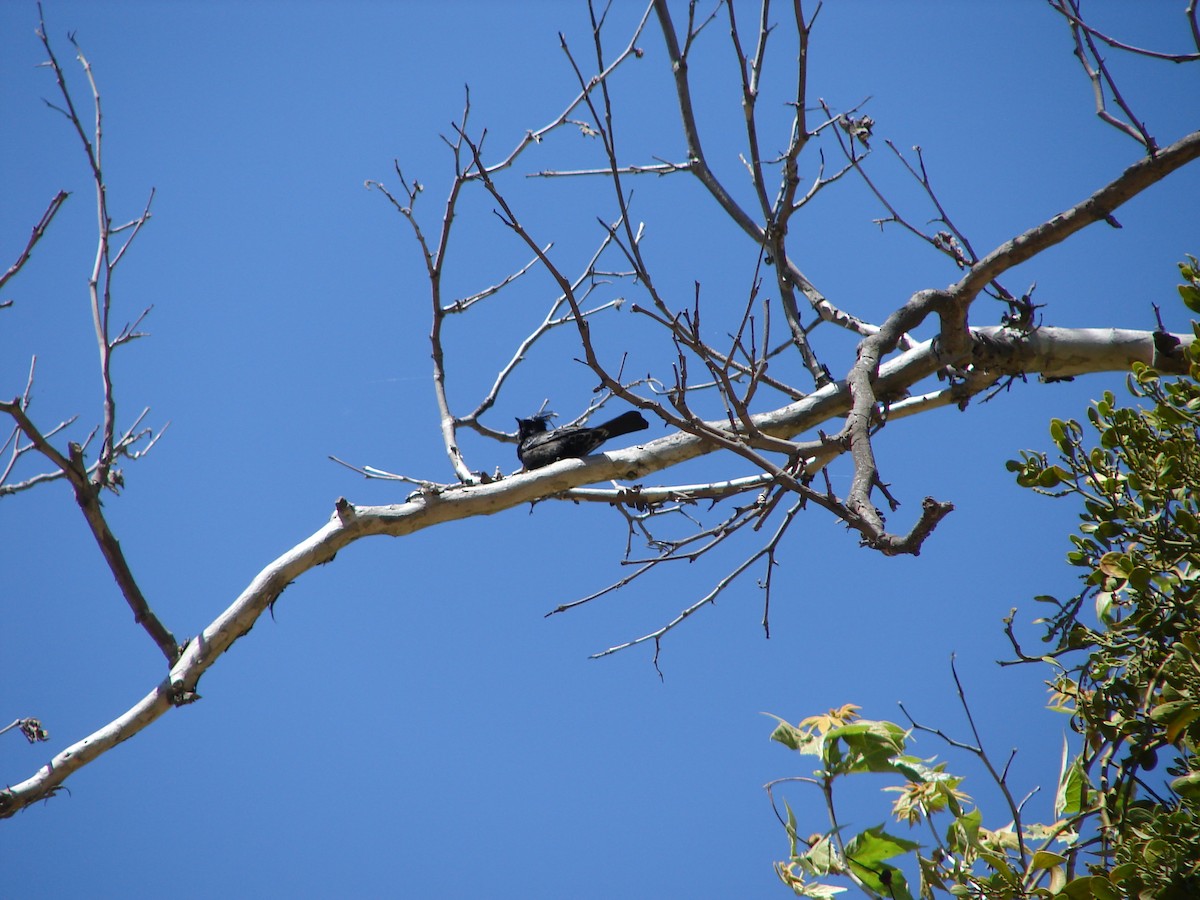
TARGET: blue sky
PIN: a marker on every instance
(410, 724)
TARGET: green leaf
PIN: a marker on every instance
(1115, 565)
(821, 859)
(819, 891)
(1059, 433)
(793, 835)
(1102, 888)
(1052, 476)
(963, 833)
(1073, 786)
(1156, 851)
(875, 845)
(1191, 296)
(1187, 786)
(1139, 578)
(871, 746)
(1175, 716)
(865, 854)
(786, 733)
(1082, 888)
(1044, 859)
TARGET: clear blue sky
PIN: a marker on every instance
(410, 724)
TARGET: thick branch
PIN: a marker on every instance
(1085, 351)
(955, 344)
(1099, 207)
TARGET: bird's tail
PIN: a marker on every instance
(624, 424)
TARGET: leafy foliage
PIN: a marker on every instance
(1125, 660)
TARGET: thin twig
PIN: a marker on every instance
(36, 235)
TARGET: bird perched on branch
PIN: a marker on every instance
(538, 446)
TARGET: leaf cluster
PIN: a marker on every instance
(1127, 647)
(962, 853)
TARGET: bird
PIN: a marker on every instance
(538, 446)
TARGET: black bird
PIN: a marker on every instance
(537, 446)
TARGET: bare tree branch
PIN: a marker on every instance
(717, 395)
(700, 168)
(1069, 9)
(1098, 74)
(36, 235)
(536, 137)
(87, 495)
(428, 508)
(89, 481)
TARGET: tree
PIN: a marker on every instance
(745, 368)
(1122, 659)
